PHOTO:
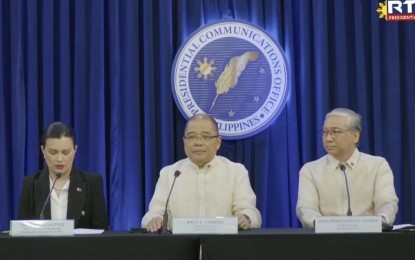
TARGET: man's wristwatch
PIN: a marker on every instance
(247, 218)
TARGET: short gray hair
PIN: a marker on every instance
(354, 120)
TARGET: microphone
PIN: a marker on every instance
(343, 169)
(165, 231)
(42, 212)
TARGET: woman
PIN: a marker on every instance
(76, 194)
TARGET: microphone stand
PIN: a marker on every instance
(164, 230)
(343, 169)
(42, 212)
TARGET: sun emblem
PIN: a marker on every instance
(382, 10)
(205, 68)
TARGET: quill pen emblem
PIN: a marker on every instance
(229, 77)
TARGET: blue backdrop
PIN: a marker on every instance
(104, 66)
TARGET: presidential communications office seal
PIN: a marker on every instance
(235, 72)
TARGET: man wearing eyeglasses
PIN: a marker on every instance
(323, 183)
(208, 186)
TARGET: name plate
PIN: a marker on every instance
(41, 228)
(214, 225)
(348, 224)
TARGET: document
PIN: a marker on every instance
(406, 227)
(87, 231)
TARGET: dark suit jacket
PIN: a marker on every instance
(86, 203)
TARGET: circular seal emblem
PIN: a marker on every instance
(235, 72)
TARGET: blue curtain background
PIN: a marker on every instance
(103, 67)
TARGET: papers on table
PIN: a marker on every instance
(87, 231)
(404, 227)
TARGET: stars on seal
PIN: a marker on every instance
(231, 113)
(205, 68)
(262, 70)
(256, 99)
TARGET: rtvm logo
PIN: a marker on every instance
(395, 10)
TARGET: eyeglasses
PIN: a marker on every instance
(333, 133)
(204, 138)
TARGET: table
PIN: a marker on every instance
(109, 245)
(305, 244)
(255, 244)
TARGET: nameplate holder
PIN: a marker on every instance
(19, 228)
(348, 224)
(213, 225)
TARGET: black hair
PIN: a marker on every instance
(58, 130)
(203, 116)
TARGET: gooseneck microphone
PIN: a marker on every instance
(343, 169)
(165, 231)
(42, 212)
